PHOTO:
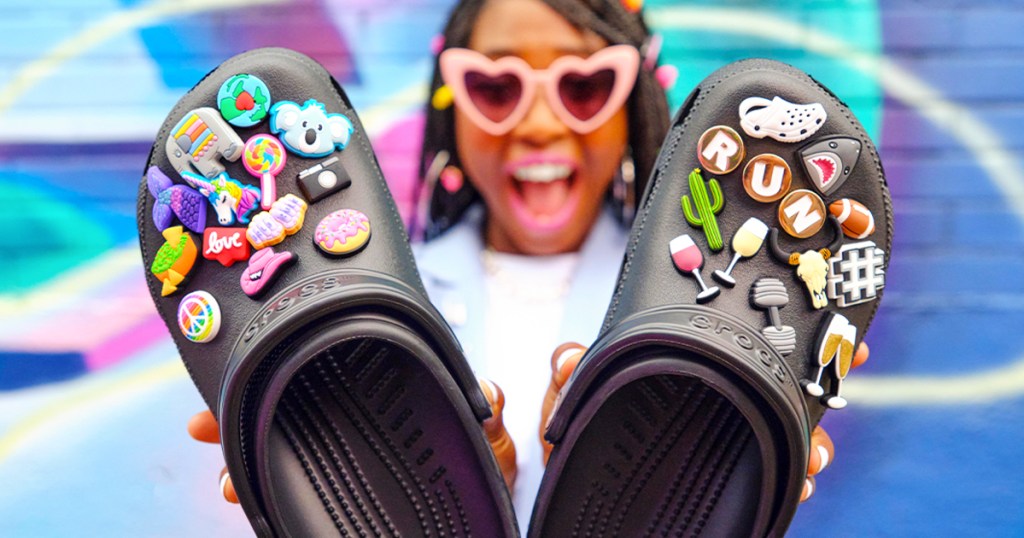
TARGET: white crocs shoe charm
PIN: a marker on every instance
(780, 119)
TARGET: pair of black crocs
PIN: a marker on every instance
(345, 403)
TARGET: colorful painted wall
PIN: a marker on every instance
(93, 400)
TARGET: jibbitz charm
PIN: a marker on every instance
(802, 213)
(199, 317)
(174, 260)
(834, 345)
(770, 294)
(767, 177)
(232, 200)
(811, 265)
(309, 130)
(720, 150)
(264, 157)
(226, 245)
(323, 179)
(745, 243)
(707, 205)
(342, 232)
(285, 218)
(243, 100)
(686, 256)
(856, 218)
(779, 119)
(175, 200)
(199, 140)
(264, 268)
(856, 273)
(830, 161)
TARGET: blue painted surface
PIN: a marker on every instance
(109, 447)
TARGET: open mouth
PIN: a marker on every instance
(545, 193)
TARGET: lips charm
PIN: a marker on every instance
(264, 268)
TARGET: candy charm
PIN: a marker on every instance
(174, 260)
(706, 209)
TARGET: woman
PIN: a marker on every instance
(538, 108)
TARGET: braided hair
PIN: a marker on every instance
(647, 106)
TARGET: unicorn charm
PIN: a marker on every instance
(230, 198)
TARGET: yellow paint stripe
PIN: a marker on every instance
(982, 142)
(77, 400)
(95, 34)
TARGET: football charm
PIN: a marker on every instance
(856, 219)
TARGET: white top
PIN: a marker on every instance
(525, 305)
(510, 319)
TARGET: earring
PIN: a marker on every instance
(624, 188)
(451, 179)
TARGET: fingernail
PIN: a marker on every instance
(565, 356)
(808, 490)
(823, 460)
(227, 489)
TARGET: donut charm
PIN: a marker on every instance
(342, 232)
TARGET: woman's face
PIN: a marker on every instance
(543, 183)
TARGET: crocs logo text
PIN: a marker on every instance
(291, 299)
(739, 337)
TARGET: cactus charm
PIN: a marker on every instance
(707, 207)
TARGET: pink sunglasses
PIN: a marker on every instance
(583, 92)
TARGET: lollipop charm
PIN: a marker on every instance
(687, 258)
(264, 158)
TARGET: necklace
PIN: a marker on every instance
(543, 289)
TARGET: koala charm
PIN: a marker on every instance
(309, 130)
(199, 139)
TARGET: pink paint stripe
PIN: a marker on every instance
(114, 350)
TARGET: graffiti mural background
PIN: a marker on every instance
(93, 400)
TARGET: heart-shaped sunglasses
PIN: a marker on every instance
(583, 92)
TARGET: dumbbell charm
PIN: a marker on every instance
(770, 294)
